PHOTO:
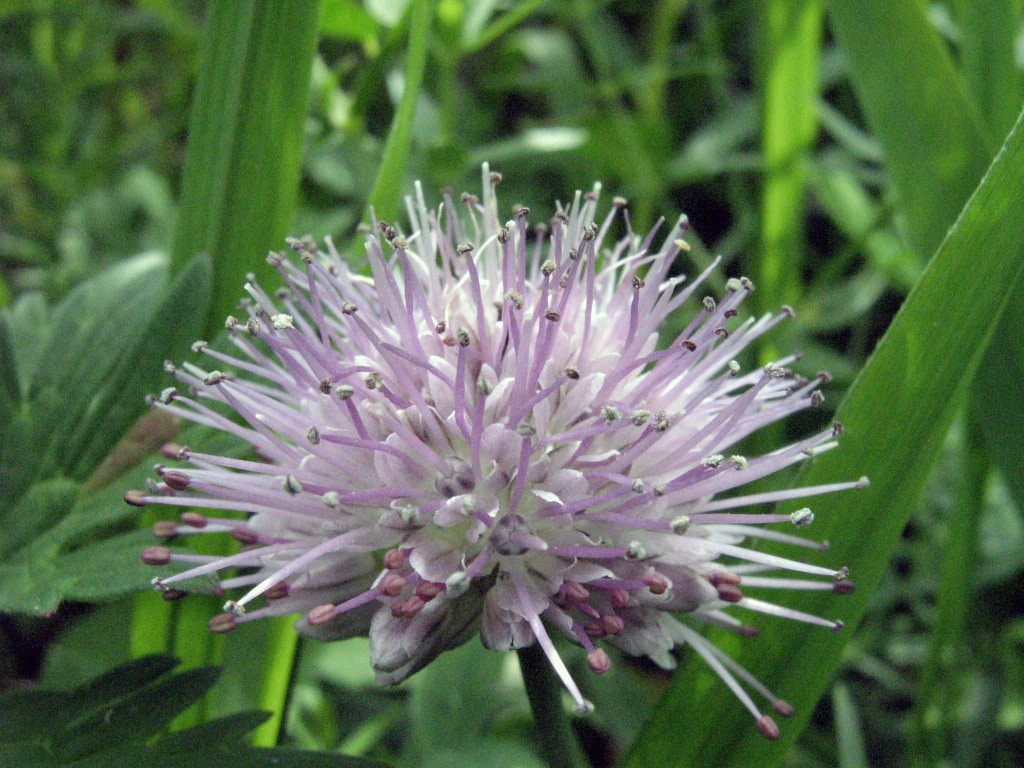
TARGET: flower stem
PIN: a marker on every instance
(558, 743)
(278, 677)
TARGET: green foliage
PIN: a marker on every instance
(241, 167)
(830, 176)
(117, 719)
(75, 377)
(898, 410)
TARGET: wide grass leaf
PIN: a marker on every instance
(896, 413)
(245, 140)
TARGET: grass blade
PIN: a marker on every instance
(241, 174)
(791, 44)
(897, 412)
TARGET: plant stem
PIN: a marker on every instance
(558, 743)
(278, 677)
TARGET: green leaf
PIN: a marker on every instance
(111, 722)
(935, 146)
(87, 340)
(176, 322)
(70, 553)
(896, 413)
(347, 20)
(245, 140)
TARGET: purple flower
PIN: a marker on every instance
(485, 436)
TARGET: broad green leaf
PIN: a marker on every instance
(990, 58)
(111, 721)
(896, 414)
(245, 140)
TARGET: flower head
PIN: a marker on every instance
(486, 436)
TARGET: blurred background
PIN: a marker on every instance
(747, 116)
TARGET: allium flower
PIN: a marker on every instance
(485, 436)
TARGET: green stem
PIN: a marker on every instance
(282, 649)
(558, 743)
(387, 187)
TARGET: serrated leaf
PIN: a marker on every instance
(175, 323)
(91, 330)
(107, 723)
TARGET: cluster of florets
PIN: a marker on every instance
(485, 436)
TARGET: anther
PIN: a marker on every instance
(193, 519)
(156, 555)
(639, 417)
(174, 451)
(783, 708)
(320, 615)
(176, 479)
(234, 608)
(331, 500)
(768, 728)
(619, 598)
(610, 414)
(598, 661)
(165, 529)
(135, 498)
(291, 484)
(394, 559)
(221, 623)
(802, 517)
(325, 385)
(277, 592)
(571, 372)
(548, 267)
(282, 322)
(655, 582)
(392, 584)
(344, 391)
(635, 551)
(681, 525)
(244, 536)
(612, 624)
(313, 435)
(682, 245)
(462, 336)
(428, 590)
(348, 308)
(739, 461)
(213, 377)
(843, 587)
